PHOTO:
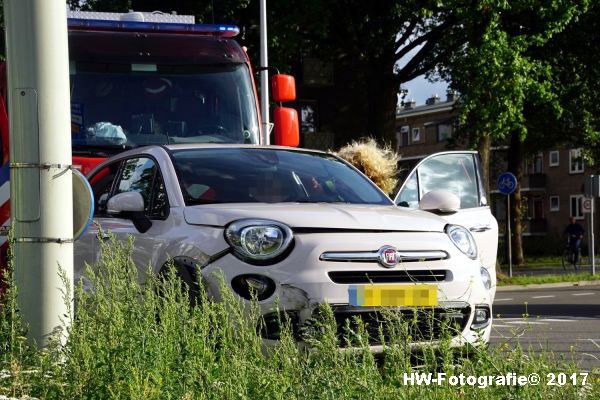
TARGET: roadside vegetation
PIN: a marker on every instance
(145, 342)
(505, 280)
(530, 272)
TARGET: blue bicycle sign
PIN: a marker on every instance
(507, 183)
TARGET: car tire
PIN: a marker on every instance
(184, 270)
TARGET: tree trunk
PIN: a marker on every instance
(515, 165)
(366, 100)
(382, 101)
(484, 148)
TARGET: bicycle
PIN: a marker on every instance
(571, 255)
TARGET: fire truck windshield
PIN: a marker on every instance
(122, 106)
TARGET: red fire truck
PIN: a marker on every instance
(151, 78)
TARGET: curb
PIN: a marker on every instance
(546, 285)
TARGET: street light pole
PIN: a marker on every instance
(40, 160)
(264, 74)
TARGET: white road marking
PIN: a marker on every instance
(582, 294)
(500, 326)
(594, 343)
(558, 320)
(542, 297)
(527, 322)
(502, 300)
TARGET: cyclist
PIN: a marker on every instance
(574, 233)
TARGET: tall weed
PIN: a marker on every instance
(132, 341)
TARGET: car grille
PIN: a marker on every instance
(419, 324)
(358, 277)
(393, 325)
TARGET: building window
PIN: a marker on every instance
(402, 136)
(416, 135)
(576, 161)
(576, 210)
(537, 208)
(535, 165)
(554, 203)
(308, 117)
(554, 159)
(444, 132)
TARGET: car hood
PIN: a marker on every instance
(319, 215)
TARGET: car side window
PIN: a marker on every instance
(102, 183)
(143, 176)
(160, 203)
(455, 173)
(137, 175)
(409, 195)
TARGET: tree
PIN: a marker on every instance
(503, 84)
(364, 41)
(573, 57)
(100, 5)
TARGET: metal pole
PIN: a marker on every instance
(510, 272)
(40, 155)
(592, 241)
(264, 75)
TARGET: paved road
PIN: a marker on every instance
(563, 320)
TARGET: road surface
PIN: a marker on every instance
(565, 321)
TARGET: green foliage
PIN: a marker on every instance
(100, 5)
(496, 71)
(539, 279)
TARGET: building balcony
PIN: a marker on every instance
(536, 226)
(533, 182)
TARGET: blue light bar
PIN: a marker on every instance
(166, 27)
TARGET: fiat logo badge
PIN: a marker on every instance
(388, 257)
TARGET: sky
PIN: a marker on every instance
(420, 89)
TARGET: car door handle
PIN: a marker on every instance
(480, 228)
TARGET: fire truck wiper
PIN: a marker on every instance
(104, 150)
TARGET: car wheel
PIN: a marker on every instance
(185, 272)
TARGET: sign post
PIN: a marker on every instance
(41, 193)
(592, 249)
(507, 183)
(591, 191)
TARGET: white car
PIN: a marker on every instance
(298, 228)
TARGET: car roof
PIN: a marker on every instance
(193, 146)
(154, 150)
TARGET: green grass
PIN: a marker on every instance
(145, 342)
(537, 279)
(545, 261)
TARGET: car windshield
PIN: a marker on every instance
(129, 105)
(241, 175)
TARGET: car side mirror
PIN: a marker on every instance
(287, 130)
(130, 205)
(125, 202)
(440, 201)
(283, 88)
(285, 119)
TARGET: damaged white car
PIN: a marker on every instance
(297, 228)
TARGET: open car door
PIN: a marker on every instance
(458, 172)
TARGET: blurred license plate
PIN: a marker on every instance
(392, 295)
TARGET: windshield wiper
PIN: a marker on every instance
(99, 150)
(299, 183)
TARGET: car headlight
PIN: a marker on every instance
(259, 241)
(462, 238)
(486, 278)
